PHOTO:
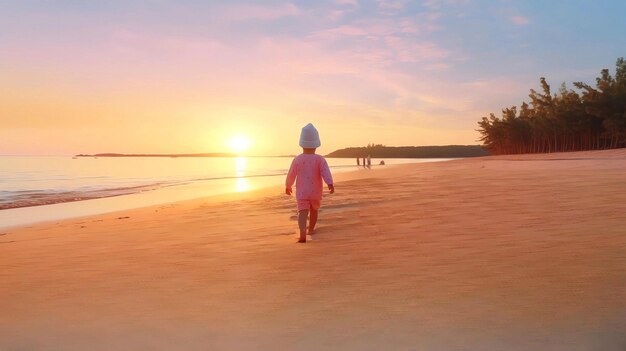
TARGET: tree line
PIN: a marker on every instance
(592, 118)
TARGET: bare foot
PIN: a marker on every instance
(301, 241)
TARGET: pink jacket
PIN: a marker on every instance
(308, 170)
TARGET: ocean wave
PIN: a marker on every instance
(68, 192)
(38, 197)
(27, 198)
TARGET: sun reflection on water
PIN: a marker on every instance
(241, 164)
(242, 183)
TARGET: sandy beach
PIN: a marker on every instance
(495, 253)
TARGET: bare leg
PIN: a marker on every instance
(312, 221)
(302, 217)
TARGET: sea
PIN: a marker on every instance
(44, 188)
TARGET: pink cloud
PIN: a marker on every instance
(335, 15)
(519, 20)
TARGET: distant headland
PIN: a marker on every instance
(382, 151)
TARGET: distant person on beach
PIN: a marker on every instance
(307, 171)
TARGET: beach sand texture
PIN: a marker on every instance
(497, 253)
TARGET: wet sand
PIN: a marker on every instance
(496, 253)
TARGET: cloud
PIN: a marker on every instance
(391, 6)
(519, 20)
(341, 31)
(414, 51)
(257, 12)
(379, 28)
(385, 42)
(437, 4)
(335, 15)
(354, 3)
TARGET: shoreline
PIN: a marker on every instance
(240, 188)
(92, 186)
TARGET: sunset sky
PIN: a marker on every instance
(189, 76)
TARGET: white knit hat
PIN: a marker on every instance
(309, 137)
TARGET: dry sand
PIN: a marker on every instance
(497, 253)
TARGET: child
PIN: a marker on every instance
(308, 170)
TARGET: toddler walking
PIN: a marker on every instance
(308, 170)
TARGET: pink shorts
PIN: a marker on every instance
(309, 204)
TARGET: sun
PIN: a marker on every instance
(239, 144)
